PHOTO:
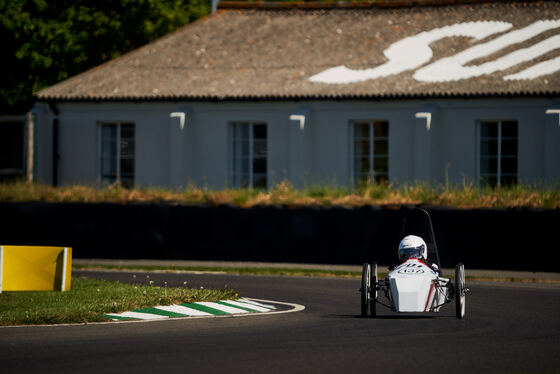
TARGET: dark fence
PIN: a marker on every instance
(522, 239)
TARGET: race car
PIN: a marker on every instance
(416, 284)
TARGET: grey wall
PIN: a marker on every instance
(167, 155)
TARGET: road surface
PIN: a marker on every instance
(508, 328)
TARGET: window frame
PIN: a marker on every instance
(118, 155)
(499, 155)
(372, 139)
(251, 140)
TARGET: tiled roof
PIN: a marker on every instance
(486, 49)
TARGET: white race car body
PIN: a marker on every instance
(415, 287)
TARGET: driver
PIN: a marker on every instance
(413, 246)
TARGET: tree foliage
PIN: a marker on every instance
(46, 42)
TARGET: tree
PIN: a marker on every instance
(47, 42)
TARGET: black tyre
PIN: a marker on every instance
(460, 290)
(373, 290)
(366, 285)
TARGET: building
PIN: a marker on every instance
(258, 93)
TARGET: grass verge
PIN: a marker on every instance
(225, 270)
(464, 196)
(293, 272)
(90, 298)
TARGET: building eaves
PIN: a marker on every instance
(321, 5)
(256, 98)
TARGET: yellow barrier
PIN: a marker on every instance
(24, 268)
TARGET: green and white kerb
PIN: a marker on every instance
(199, 309)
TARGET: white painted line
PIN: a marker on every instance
(252, 302)
(246, 305)
(183, 310)
(137, 315)
(295, 308)
(64, 264)
(223, 308)
(1, 265)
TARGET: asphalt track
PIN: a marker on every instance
(508, 329)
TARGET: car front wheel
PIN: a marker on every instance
(366, 287)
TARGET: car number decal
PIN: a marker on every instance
(412, 268)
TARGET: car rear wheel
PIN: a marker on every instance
(460, 290)
(373, 290)
(366, 286)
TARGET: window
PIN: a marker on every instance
(117, 153)
(371, 152)
(498, 153)
(11, 149)
(249, 153)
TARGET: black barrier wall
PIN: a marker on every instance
(484, 239)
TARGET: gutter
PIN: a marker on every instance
(322, 5)
(307, 97)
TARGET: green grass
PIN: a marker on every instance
(89, 299)
(463, 196)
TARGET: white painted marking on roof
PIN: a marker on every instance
(410, 53)
(453, 68)
(542, 68)
(138, 315)
(223, 308)
(246, 305)
(253, 302)
(183, 310)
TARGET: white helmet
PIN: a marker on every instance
(412, 246)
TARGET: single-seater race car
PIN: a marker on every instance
(417, 284)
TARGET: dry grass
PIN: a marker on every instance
(291, 272)
(463, 197)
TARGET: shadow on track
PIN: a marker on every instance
(388, 316)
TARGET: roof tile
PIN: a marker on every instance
(263, 54)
